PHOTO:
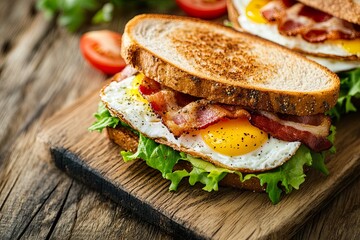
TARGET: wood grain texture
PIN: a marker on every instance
(41, 72)
(191, 212)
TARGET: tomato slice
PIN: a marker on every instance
(206, 9)
(102, 50)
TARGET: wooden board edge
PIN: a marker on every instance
(72, 166)
(343, 183)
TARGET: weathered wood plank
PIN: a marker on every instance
(192, 212)
(339, 220)
(41, 65)
(15, 17)
(43, 71)
(44, 202)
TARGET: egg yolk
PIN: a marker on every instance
(134, 90)
(351, 46)
(253, 10)
(233, 137)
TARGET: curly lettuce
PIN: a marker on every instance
(105, 119)
(349, 91)
(163, 158)
(285, 178)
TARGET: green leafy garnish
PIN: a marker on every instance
(74, 13)
(103, 119)
(290, 175)
(285, 178)
(105, 14)
(202, 172)
(71, 14)
(157, 156)
(229, 24)
(349, 90)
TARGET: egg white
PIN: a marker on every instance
(270, 155)
(271, 33)
(335, 65)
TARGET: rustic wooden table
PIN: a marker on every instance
(42, 71)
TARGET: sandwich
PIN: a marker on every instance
(204, 103)
(326, 31)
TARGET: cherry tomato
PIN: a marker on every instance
(206, 9)
(102, 50)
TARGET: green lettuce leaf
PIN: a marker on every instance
(203, 172)
(319, 163)
(331, 138)
(103, 119)
(349, 90)
(290, 175)
(285, 178)
(157, 156)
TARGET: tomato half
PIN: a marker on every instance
(102, 50)
(206, 9)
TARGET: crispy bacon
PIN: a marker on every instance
(182, 113)
(128, 71)
(293, 18)
(307, 130)
(273, 10)
(314, 120)
(314, 14)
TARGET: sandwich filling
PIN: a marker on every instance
(296, 26)
(231, 145)
(140, 116)
(228, 136)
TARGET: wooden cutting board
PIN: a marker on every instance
(192, 212)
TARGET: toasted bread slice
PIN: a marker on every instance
(211, 61)
(348, 10)
(303, 47)
(129, 141)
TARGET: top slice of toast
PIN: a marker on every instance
(211, 61)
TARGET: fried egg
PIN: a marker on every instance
(252, 21)
(234, 144)
(335, 65)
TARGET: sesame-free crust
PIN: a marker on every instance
(242, 70)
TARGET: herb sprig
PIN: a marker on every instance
(74, 13)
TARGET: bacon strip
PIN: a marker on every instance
(293, 18)
(314, 136)
(128, 71)
(182, 113)
(273, 10)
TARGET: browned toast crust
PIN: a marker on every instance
(301, 104)
(288, 102)
(128, 141)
